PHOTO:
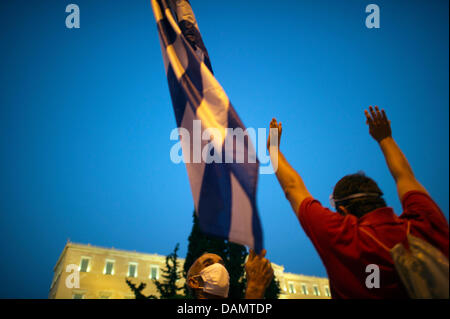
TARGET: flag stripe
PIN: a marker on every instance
(241, 215)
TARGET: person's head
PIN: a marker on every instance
(357, 194)
(208, 278)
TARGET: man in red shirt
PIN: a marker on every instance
(348, 252)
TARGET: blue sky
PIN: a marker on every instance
(85, 118)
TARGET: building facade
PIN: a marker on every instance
(102, 273)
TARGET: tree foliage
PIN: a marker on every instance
(138, 290)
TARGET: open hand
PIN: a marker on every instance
(258, 270)
(274, 124)
(379, 125)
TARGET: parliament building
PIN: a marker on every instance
(91, 272)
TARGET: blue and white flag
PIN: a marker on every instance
(223, 184)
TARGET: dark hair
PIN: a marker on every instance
(358, 183)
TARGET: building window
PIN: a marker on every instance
(316, 290)
(304, 289)
(154, 272)
(327, 291)
(109, 267)
(78, 296)
(291, 288)
(85, 264)
(132, 270)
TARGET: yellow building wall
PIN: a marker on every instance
(95, 284)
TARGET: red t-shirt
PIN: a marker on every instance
(346, 251)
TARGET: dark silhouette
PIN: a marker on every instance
(168, 287)
(138, 290)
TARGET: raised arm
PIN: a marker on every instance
(291, 182)
(259, 274)
(380, 130)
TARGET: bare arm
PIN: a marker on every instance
(292, 184)
(401, 171)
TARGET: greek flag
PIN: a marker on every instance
(223, 189)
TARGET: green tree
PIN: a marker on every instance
(138, 290)
(168, 287)
(273, 291)
(233, 255)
